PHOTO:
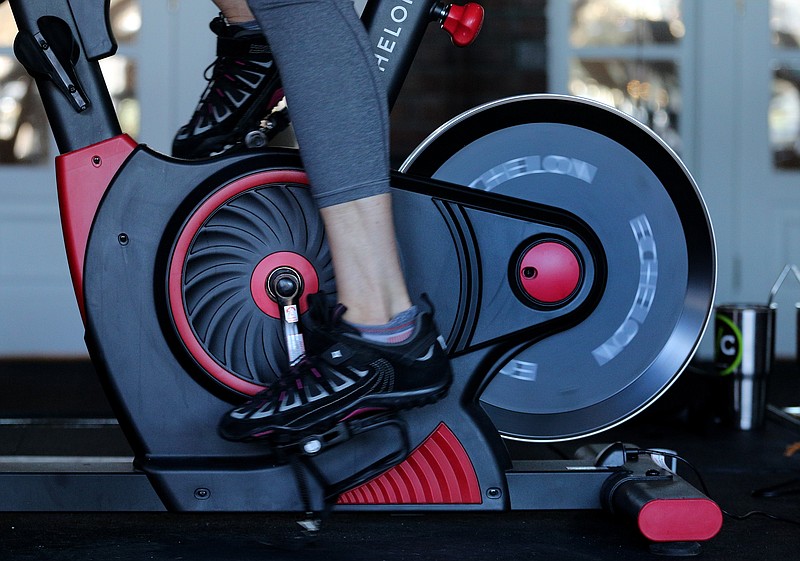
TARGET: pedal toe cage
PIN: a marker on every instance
(300, 454)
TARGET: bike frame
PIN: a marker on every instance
(110, 185)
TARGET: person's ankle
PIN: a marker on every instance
(244, 23)
(398, 329)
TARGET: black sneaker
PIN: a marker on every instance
(344, 375)
(243, 87)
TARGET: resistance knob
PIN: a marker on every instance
(463, 23)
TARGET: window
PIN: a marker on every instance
(784, 108)
(24, 136)
(627, 54)
(626, 22)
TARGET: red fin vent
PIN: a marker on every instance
(439, 471)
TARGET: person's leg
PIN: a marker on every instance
(235, 11)
(340, 117)
(369, 279)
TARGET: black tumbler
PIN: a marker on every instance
(744, 351)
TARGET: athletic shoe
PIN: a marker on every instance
(243, 87)
(344, 375)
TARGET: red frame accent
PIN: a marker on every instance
(175, 284)
(680, 520)
(439, 471)
(82, 177)
(258, 280)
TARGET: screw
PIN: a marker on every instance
(494, 492)
(312, 446)
(286, 287)
(123, 239)
(43, 44)
(529, 272)
(202, 494)
(96, 161)
(284, 283)
(255, 139)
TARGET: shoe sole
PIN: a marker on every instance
(291, 435)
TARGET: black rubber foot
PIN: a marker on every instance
(676, 549)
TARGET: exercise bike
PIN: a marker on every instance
(567, 249)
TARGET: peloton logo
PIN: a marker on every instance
(645, 293)
(532, 165)
(388, 40)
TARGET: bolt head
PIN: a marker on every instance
(312, 446)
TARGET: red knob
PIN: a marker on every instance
(550, 272)
(463, 23)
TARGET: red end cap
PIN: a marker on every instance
(550, 273)
(680, 520)
(463, 23)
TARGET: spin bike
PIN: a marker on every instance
(567, 249)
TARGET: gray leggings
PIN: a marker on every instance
(335, 93)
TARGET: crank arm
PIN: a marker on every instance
(284, 286)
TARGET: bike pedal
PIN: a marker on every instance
(314, 443)
(269, 127)
(255, 139)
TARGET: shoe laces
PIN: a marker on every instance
(223, 68)
(303, 373)
(306, 368)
